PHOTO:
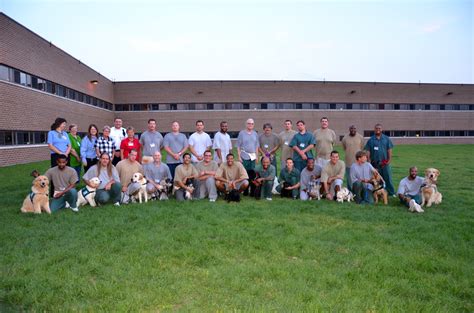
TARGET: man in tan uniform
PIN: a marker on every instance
(325, 141)
(352, 143)
(186, 174)
(285, 138)
(231, 175)
(207, 169)
(333, 175)
(126, 168)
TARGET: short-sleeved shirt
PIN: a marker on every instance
(210, 167)
(60, 140)
(287, 176)
(103, 176)
(157, 173)
(106, 145)
(151, 142)
(352, 145)
(200, 143)
(128, 145)
(126, 169)
(302, 141)
(330, 170)
(183, 171)
(362, 172)
(306, 175)
(118, 135)
(285, 139)
(410, 187)
(325, 140)
(176, 142)
(248, 143)
(268, 143)
(378, 148)
(76, 146)
(222, 142)
(268, 173)
(61, 179)
(231, 173)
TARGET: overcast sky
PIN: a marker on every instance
(393, 41)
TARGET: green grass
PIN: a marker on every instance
(254, 256)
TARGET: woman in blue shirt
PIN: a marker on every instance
(88, 152)
(58, 140)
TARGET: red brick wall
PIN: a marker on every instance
(23, 154)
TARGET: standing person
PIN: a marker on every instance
(361, 173)
(207, 169)
(302, 145)
(117, 133)
(105, 144)
(186, 173)
(156, 173)
(126, 168)
(332, 176)
(58, 140)
(110, 188)
(310, 174)
(379, 148)
(64, 179)
(269, 144)
(325, 141)
(222, 144)
(75, 160)
(88, 151)
(289, 180)
(285, 138)
(351, 143)
(151, 141)
(130, 143)
(247, 146)
(266, 173)
(175, 144)
(199, 142)
(409, 190)
(231, 175)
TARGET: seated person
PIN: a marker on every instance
(310, 175)
(265, 176)
(332, 175)
(110, 187)
(231, 175)
(361, 173)
(289, 180)
(207, 169)
(156, 174)
(185, 175)
(409, 189)
(126, 168)
(64, 179)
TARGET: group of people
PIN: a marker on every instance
(206, 168)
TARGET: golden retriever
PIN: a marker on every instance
(379, 190)
(140, 193)
(429, 190)
(38, 199)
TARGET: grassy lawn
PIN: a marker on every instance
(254, 256)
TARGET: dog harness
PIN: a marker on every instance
(85, 192)
(32, 195)
(382, 186)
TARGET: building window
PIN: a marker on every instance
(246, 106)
(264, 106)
(173, 106)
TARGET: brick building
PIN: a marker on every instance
(39, 82)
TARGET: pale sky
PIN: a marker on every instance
(393, 41)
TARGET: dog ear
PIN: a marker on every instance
(438, 172)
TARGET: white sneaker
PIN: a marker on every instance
(67, 206)
(117, 203)
(212, 200)
(75, 209)
(418, 208)
(269, 199)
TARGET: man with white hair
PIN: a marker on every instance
(247, 146)
(156, 173)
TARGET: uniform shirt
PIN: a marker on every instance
(378, 148)
(268, 143)
(325, 140)
(222, 142)
(118, 135)
(183, 171)
(286, 176)
(410, 187)
(302, 141)
(176, 142)
(157, 173)
(200, 143)
(306, 175)
(231, 173)
(60, 140)
(126, 169)
(362, 172)
(76, 145)
(127, 145)
(330, 169)
(268, 174)
(105, 145)
(61, 179)
(151, 142)
(248, 143)
(285, 139)
(352, 145)
(104, 176)
(210, 167)
(88, 148)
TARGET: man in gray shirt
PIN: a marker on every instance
(151, 141)
(361, 173)
(156, 173)
(247, 145)
(269, 144)
(175, 144)
(310, 174)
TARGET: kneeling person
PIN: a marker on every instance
(126, 168)
(156, 174)
(207, 169)
(231, 175)
(361, 173)
(332, 175)
(185, 176)
(310, 177)
(64, 180)
(289, 180)
(409, 190)
(266, 175)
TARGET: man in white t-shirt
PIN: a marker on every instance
(409, 190)
(222, 144)
(117, 133)
(199, 142)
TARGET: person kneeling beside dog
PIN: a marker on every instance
(265, 176)
(289, 180)
(361, 173)
(64, 180)
(231, 176)
(409, 191)
(186, 183)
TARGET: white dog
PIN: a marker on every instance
(344, 195)
(314, 190)
(141, 192)
(429, 190)
(87, 194)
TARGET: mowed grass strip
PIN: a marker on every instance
(282, 255)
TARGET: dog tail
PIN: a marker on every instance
(35, 173)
